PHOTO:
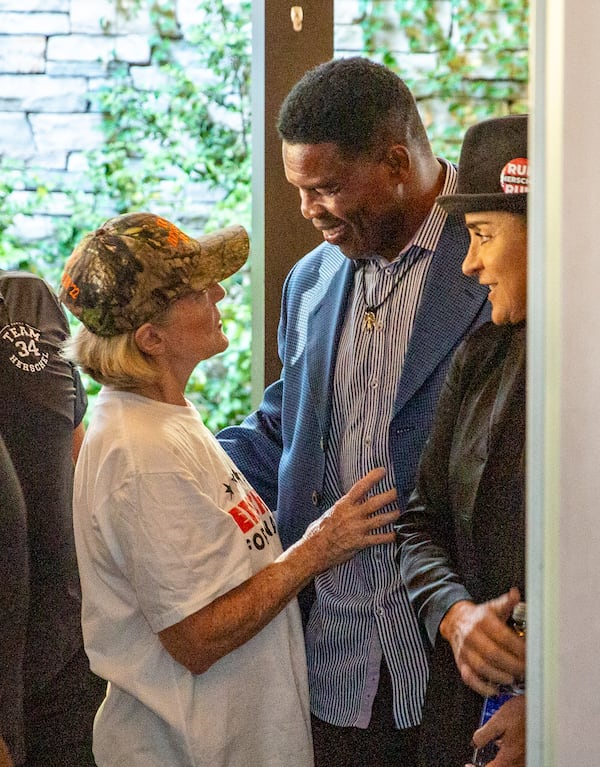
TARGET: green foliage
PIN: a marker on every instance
(11, 250)
(22, 195)
(470, 58)
(163, 141)
(179, 140)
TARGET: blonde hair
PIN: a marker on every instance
(115, 361)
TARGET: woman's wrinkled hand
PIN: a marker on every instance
(352, 523)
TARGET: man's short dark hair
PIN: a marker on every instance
(355, 103)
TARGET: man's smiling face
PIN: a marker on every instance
(355, 201)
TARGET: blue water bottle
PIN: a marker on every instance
(485, 754)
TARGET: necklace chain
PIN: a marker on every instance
(370, 314)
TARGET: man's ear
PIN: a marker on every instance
(149, 339)
(398, 159)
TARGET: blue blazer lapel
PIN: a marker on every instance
(324, 328)
(448, 307)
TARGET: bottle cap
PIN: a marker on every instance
(519, 613)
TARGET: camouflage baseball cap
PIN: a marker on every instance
(135, 265)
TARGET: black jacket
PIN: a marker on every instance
(463, 535)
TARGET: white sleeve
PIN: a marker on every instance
(179, 549)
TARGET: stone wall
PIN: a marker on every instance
(53, 55)
(475, 60)
(348, 38)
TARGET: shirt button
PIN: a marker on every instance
(316, 498)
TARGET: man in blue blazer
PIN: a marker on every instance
(369, 322)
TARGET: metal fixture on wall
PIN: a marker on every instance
(297, 15)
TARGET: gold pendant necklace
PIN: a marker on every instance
(369, 320)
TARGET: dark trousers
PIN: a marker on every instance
(59, 717)
(379, 745)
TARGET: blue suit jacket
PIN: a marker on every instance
(281, 447)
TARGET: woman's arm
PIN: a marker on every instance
(352, 524)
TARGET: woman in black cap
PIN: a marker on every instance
(462, 539)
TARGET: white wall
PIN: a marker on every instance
(564, 558)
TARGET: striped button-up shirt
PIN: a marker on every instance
(361, 613)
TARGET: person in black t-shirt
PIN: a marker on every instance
(42, 404)
(14, 600)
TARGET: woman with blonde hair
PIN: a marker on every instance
(189, 606)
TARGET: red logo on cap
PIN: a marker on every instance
(514, 177)
(174, 235)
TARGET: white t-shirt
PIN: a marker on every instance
(164, 524)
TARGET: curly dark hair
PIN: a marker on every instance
(353, 102)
